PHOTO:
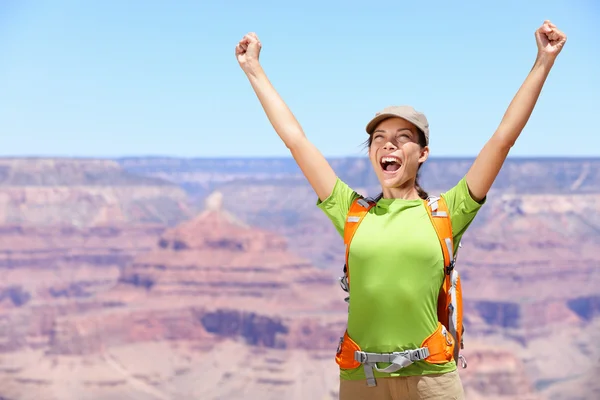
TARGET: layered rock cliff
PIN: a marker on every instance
(82, 192)
(210, 276)
(139, 305)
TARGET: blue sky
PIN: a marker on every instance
(125, 78)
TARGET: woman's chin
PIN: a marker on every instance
(390, 180)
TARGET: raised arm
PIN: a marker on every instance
(313, 164)
(488, 163)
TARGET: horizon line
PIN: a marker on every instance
(233, 157)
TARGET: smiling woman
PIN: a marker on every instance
(404, 328)
(397, 136)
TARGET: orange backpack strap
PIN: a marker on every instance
(437, 209)
(450, 296)
(358, 210)
(440, 218)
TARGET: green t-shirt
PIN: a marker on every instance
(396, 265)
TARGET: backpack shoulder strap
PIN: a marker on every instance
(358, 210)
(450, 309)
(438, 212)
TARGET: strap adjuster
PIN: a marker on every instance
(360, 356)
(344, 283)
(419, 354)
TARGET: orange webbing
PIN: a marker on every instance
(443, 227)
(357, 212)
(345, 354)
(459, 317)
(440, 345)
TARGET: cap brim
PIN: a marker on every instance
(375, 121)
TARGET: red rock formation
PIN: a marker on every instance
(222, 291)
(44, 264)
(495, 372)
(222, 262)
(217, 277)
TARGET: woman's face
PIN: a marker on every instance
(395, 152)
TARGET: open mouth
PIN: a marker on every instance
(390, 164)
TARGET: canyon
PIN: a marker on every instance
(154, 278)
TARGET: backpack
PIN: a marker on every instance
(450, 310)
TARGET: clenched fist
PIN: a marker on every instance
(247, 51)
(550, 40)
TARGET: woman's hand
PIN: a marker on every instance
(550, 41)
(247, 52)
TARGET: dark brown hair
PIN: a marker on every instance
(422, 193)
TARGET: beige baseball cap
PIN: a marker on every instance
(405, 112)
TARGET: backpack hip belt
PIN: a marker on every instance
(438, 348)
(444, 343)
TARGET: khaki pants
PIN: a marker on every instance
(427, 387)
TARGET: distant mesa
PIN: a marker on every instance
(84, 193)
(70, 172)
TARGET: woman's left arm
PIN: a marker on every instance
(488, 163)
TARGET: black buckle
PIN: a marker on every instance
(450, 267)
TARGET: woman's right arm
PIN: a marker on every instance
(313, 164)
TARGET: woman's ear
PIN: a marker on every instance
(424, 154)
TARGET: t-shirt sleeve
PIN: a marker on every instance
(337, 205)
(462, 207)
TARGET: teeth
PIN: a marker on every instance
(390, 159)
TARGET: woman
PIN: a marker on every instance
(395, 254)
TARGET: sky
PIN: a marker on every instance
(158, 78)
